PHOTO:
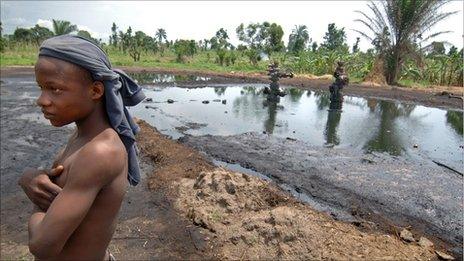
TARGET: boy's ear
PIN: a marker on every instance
(98, 89)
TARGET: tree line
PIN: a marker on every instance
(397, 38)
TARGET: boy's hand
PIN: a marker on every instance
(38, 186)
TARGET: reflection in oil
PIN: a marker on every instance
(368, 124)
(159, 78)
(454, 119)
(386, 137)
(333, 120)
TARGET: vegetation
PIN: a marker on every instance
(298, 39)
(397, 27)
(63, 27)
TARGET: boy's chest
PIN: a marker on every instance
(65, 159)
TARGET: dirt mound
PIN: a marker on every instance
(172, 160)
(315, 77)
(376, 76)
(249, 218)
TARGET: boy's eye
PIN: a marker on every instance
(56, 90)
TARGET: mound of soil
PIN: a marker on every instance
(375, 76)
(249, 218)
(244, 217)
(171, 159)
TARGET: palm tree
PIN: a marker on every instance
(63, 27)
(398, 27)
(298, 38)
(160, 34)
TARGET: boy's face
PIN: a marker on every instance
(66, 91)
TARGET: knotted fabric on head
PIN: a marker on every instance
(120, 89)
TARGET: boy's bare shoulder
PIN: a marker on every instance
(102, 159)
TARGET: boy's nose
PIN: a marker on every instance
(43, 100)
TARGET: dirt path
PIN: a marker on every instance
(436, 96)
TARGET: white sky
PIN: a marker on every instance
(201, 19)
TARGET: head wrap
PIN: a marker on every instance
(120, 89)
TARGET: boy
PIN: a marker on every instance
(89, 175)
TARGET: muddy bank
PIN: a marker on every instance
(428, 96)
(244, 217)
(349, 184)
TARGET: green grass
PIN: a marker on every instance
(26, 55)
(204, 61)
(412, 84)
(356, 80)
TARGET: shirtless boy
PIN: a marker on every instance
(76, 208)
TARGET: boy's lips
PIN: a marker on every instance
(47, 115)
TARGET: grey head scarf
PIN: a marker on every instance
(120, 89)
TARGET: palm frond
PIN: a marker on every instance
(434, 35)
(378, 24)
(363, 35)
(367, 25)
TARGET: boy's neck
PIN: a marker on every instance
(93, 124)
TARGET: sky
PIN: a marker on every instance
(201, 19)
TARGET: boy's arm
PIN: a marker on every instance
(93, 168)
(38, 186)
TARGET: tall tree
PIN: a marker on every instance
(220, 44)
(114, 35)
(126, 39)
(219, 40)
(140, 41)
(2, 41)
(22, 35)
(160, 35)
(298, 39)
(252, 36)
(402, 25)
(265, 37)
(273, 37)
(334, 39)
(205, 44)
(183, 48)
(63, 27)
(39, 34)
(356, 45)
